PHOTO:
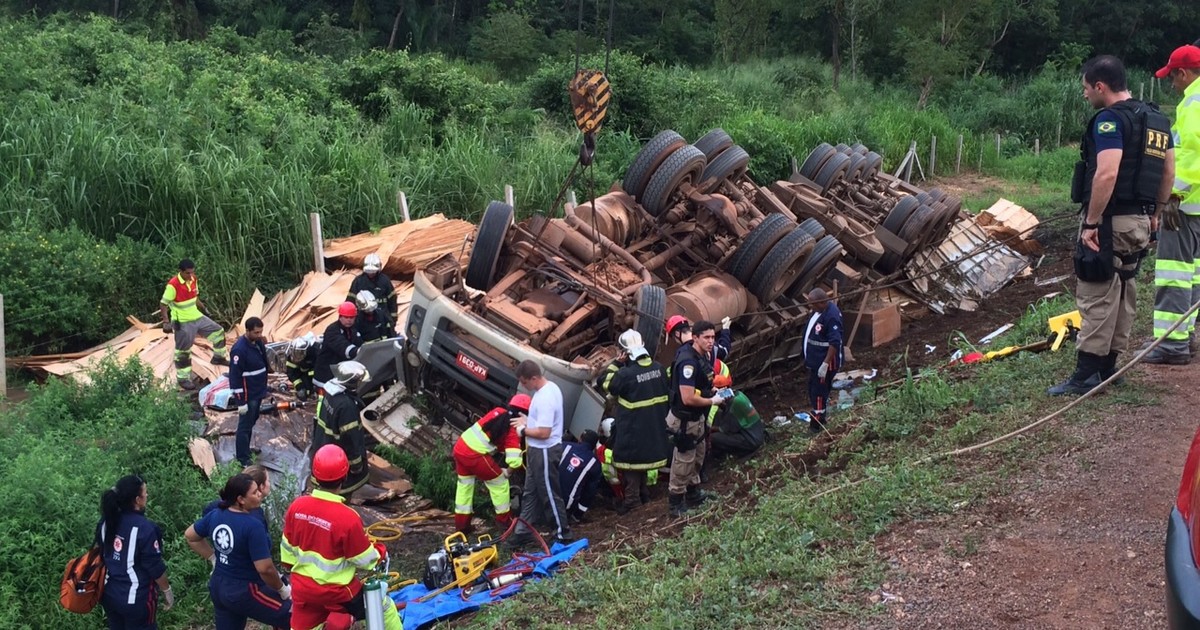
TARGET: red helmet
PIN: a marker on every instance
(347, 309)
(521, 401)
(330, 464)
(674, 321)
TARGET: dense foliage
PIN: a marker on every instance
(58, 452)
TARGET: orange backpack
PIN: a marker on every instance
(83, 582)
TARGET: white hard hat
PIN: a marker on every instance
(349, 373)
(366, 301)
(298, 348)
(606, 427)
(631, 342)
(372, 263)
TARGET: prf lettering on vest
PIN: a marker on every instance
(315, 520)
(1156, 144)
(646, 376)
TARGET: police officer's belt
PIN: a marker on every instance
(1129, 209)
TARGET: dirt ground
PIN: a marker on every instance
(1077, 543)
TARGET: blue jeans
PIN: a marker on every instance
(244, 430)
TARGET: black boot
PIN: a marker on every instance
(1109, 368)
(678, 507)
(696, 497)
(1086, 376)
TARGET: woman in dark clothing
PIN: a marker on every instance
(132, 547)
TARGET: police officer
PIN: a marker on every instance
(374, 280)
(638, 436)
(337, 421)
(1175, 283)
(822, 354)
(1127, 166)
(691, 397)
(340, 342)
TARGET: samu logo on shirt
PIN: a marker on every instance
(222, 538)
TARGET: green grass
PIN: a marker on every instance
(774, 556)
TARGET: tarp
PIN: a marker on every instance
(418, 614)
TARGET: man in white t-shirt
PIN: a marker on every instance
(541, 499)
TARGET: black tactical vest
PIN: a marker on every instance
(1145, 133)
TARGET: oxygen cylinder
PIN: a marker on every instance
(373, 594)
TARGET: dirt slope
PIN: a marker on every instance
(1077, 543)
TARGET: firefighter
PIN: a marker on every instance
(323, 543)
(341, 342)
(1126, 165)
(337, 421)
(822, 354)
(473, 458)
(374, 280)
(372, 323)
(692, 395)
(639, 438)
(301, 362)
(182, 315)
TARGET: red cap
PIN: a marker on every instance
(347, 309)
(330, 464)
(1182, 57)
(521, 401)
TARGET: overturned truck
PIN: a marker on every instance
(686, 232)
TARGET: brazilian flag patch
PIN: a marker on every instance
(1106, 128)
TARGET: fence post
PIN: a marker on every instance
(1058, 135)
(933, 156)
(1153, 82)
(402, 201)
(997, 146)
(982, 144)
(508, 195)
(1037, 147)
(958, 156)
(1141, 91)
(314, 223)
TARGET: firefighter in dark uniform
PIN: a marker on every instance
(301, 364)
(691, 397)
(1126, 166)
(638, 437)
(822, 354)
(374, 280)
(337, 421)
(372, 323)
(340, 342)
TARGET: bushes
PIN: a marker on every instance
(58, 452)
(65, 290)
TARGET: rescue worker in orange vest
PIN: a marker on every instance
(323, 543)
(181, 314)
(474, 458)
(337, 421)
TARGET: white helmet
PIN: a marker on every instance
(606, 427)
(631, 342)
(366, 301)
(349, 373)
(372, 263)
(298, 348)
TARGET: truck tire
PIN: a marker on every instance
(873, 164)
(843, 148)
(937, 194)
(685, 164)
(832, 172)
(813, 227)
(854, 172)
(859, 148)
(757, 243)
(730, 164)
(812, 165)
(779, 269)
(825, 255)
(713, 143)
(648, 159)
(652, 309)
(489, 239)
(900, 213)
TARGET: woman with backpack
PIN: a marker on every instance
(245, 583)
(132, 547)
